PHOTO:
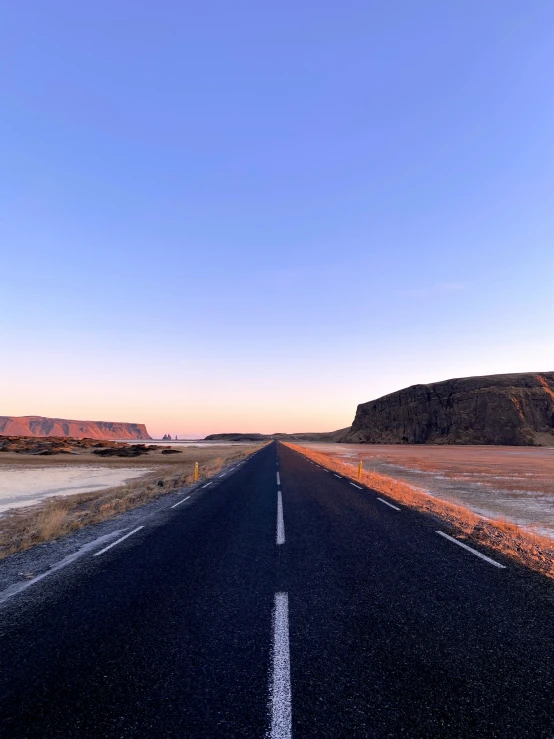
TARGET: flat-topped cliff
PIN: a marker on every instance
(516, 409)
(41, 426)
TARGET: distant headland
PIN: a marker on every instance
(42, 426)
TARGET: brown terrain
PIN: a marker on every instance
(514, 410)
(53, 445)
(41, 426)
(524, 546)
(512, 482)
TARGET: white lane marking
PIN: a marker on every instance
(473, 551)
(97, 554)
(206, 485)
(222, 474)
(19, 587)
(278, 479)
(357, 486)
(386, 502)
(181, 501)
(280, 521)
(281, 711)
(340, 478)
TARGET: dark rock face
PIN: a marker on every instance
(125, 450)
(47, 446)
(41, 426)
(513, 409)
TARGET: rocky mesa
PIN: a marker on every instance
(41, 426)
(515, 409)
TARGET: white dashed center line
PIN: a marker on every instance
(386, 502)
(357, 486)
(280, 521)
(206, 485)
(281, 713)
(97, 554)
(181, 501)
(278, 479)
(473, 551)
(340, 478)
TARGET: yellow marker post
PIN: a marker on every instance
(196, 472)
(360, 470)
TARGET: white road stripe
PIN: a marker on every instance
(281, 711)
(278, 479)
(181, 501)
(340, 478)
(386, 502)
(206, 485)
(473, 551)
(97, 554)
(19, 587)
(280, 521)
(357, 486)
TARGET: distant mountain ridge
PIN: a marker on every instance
(43, 426)
(512, 409)
(328, 436)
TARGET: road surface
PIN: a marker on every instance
(281, 601)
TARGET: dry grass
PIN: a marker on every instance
(22, 528)
(532, 550)
(52, 521)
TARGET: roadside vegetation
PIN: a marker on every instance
(525, 547)
(22, 528)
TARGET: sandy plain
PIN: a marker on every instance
(516, 483)
(21, 528)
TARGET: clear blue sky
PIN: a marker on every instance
(251, 216)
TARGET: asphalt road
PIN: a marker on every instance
(281, 601)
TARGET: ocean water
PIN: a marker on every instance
(23, 487)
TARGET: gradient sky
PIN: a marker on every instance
(252, 216)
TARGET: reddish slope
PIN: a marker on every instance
(40, 426)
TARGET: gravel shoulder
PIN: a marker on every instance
(24, 566)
